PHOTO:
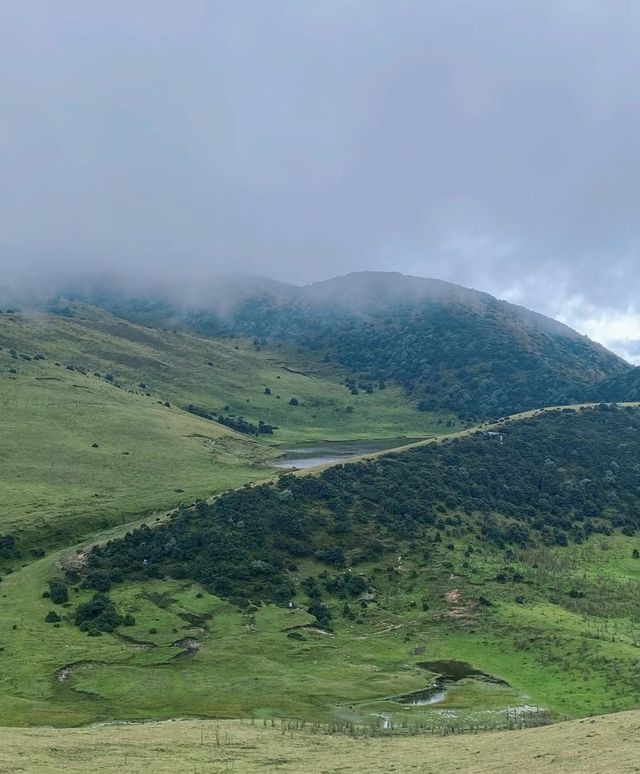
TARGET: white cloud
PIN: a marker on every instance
(617, 330)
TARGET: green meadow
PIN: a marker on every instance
(191, 654)
(95, 431)
(229, 376)
(78, 455)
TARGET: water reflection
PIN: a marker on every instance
(308, 455)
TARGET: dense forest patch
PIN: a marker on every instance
(477, 362)
(624, 387)
(554, 478)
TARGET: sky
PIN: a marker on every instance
(495, 144)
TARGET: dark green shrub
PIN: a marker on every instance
(100, 580)
(98, 614)
(58, 591)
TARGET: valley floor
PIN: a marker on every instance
(589, 746)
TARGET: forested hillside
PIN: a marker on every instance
(552, 479)
(478, 362)
(449, 347)
(625, 387)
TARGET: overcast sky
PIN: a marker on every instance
(494, 143)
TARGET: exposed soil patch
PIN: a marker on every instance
(309, 628)
(466, 612)
(317, 630)
(75, 561)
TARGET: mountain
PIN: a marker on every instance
(517, 537)
(451, 348)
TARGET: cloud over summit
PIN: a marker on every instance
(492, 144)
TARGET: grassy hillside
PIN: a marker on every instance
(563, 655)
(55, 484)
(550, 626)
(560, 476)
(213, 374)
(512, 553)
(593, 746)
(69, 382)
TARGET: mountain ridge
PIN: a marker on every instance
(218, 293)
(407, 288)
(451, 348)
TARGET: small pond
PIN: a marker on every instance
(308, 455)
(457, 694)
(448, 673)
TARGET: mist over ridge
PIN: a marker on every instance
(301, 142)
(358, 293)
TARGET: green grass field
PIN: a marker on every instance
(555, 652)
(185, 369)
(56, 487)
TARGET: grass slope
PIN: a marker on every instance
(560, 624)
(571, 655)
(248, 665)
(190, 653)
(452, 347)
(593, 746)
(55, 486)
(185, 369)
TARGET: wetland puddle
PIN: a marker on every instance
(460, 694)
(308, 455)
(449, 672)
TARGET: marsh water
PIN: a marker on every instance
(308, 455)
(448, 673)
(459, 691)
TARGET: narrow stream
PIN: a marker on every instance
(308, 455)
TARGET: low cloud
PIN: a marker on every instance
(492, 144)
